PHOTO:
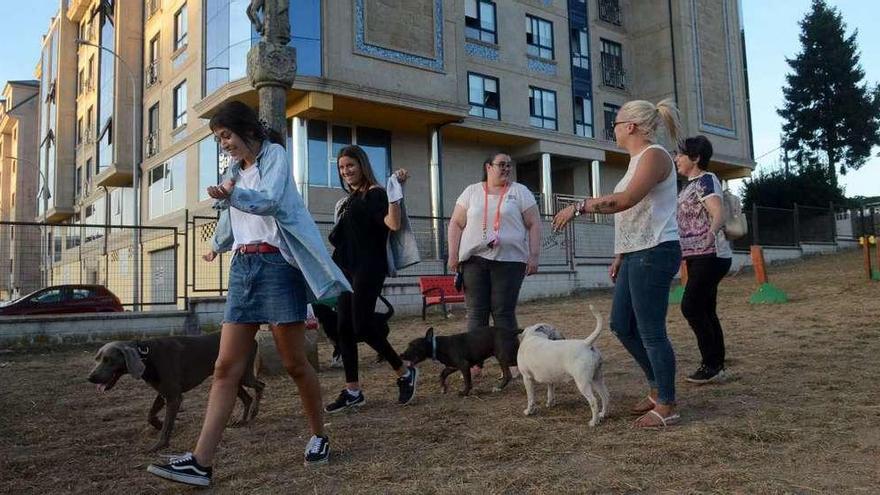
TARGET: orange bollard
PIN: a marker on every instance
(758, 264)
(866, 250)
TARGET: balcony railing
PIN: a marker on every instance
(151, 144)
(152, 7)
(609, 11)
(151, 74)
(613, 74)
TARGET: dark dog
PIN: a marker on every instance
(172, 366)
(461, 351)
(327, 317)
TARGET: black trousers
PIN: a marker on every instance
(699, 306)
(492, 287)
(355, 312)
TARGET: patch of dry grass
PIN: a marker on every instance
(799, 414)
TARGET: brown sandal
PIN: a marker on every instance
(643, 406)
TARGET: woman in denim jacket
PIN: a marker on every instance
(280, 262)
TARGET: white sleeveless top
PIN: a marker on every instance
(652, 220)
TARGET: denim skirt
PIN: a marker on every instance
(264, 288)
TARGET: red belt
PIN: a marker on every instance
(257, 248)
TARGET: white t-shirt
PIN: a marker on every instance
(248, 228)
(652, 220)
(513, 238)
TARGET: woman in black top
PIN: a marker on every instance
(360, 238)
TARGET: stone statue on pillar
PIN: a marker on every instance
(271, 68)
(271, 63)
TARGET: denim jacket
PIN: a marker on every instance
(276, 196)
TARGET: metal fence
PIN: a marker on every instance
(161, 267)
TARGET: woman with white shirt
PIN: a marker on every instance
(494, 239)
(646, 250)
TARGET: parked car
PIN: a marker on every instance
(64, 299)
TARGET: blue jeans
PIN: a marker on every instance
(638, 313)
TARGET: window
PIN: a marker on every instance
(179, 105)
(81, 82)
(106, 86)
(613, 74)
(483, 96)
(610, 113)
(119, 214)
(609, 11)
(583, 116)
(80, 294)
(326, 139)
(580, 48)
(77, 182)
(539, 37)
(180, 29)
(88, 172)
(49, 296)
(212, 165)
(79, 131)
(151, 74)
(152, 144)
(167, 189)
(542, 108)
(479, 21)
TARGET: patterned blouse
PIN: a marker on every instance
(694, 220)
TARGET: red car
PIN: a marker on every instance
(64, 299)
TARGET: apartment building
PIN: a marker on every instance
(19, 170)
(433, 86)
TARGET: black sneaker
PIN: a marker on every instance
(346, 400)
(706, 374)
(318, 450)
(407, 385)
(183, 469)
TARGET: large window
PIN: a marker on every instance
(542, 108)
(179, 105)
(612, 65)
(229, 35)
(580, 48)
(539, 37)
(479, 20)
(610, 113)
(483, 96)
(152, 144)
(180, 28)
(583, 116)
(326, 139)
(212, 165)
(106, 88)
(121, 206)
(168, 186)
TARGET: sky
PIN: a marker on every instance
(771, 29)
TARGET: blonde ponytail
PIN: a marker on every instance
(648, 116)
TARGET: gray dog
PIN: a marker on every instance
(172, 366)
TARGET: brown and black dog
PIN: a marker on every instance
(172, 366)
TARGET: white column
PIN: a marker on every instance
(436, 190)
(546, 183)
(595, 183)
(300, 160)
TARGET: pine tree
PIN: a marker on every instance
(831, 117)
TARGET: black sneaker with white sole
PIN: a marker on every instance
(707, 374)
(346, 400)
(407, 385)
(183, 469)
(317, 451)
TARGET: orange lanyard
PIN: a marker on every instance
(497, 224)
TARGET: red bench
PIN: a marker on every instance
(439, 289)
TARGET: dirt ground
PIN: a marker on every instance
(799, 414)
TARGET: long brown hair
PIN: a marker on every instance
(358, 154)
(243, 121)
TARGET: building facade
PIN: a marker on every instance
(19, 262)
(433, 86)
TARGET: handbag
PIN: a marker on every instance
(736, 225)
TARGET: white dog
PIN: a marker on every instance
(544, 357)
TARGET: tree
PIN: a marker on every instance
(778, 189)
(831, 116)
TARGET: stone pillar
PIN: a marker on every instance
(547, 184)
(595, 182)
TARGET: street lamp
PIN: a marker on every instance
(136, 171)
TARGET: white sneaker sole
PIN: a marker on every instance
(415, 383)
(187, 479)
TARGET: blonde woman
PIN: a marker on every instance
(646, 250)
